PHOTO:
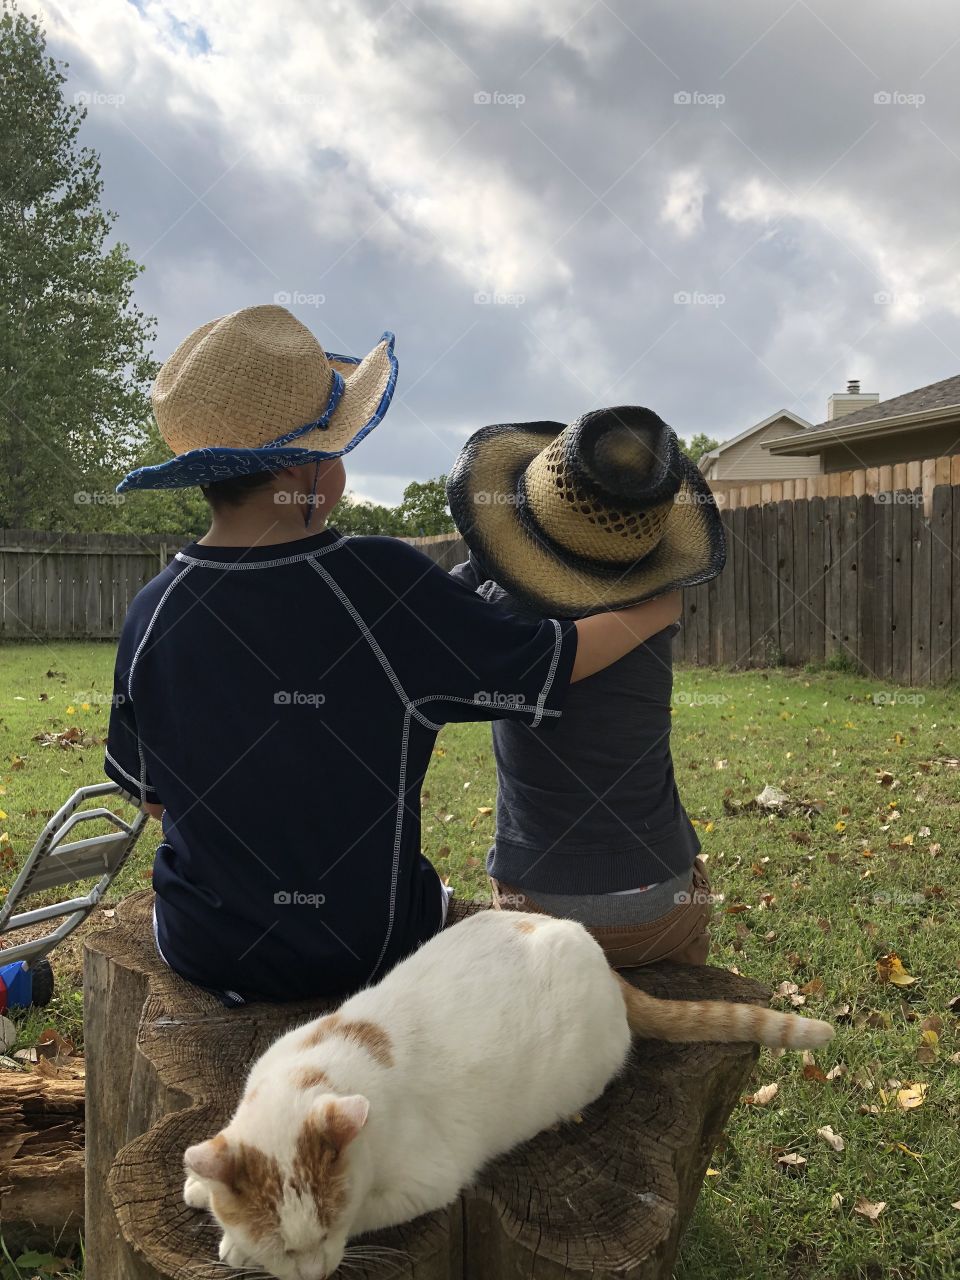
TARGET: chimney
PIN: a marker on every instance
(849, 401)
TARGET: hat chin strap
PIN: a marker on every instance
(311, 501)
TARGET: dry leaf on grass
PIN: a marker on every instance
(868, 1209)
(890, 969)
(836, 1200)
(913, 1095)
(791, 1163)
(763, 1095)
(832, 1139)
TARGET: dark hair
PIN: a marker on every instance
(234, 492)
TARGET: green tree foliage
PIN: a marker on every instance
(422, 512)
(75, 366)
(698, 446)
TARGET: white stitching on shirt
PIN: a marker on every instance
(129, 776)
(368, 636)
(258, 564)
(550, 674)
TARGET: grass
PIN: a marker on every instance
(809, 898)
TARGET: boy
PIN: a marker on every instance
(590, 826)
(279, 688)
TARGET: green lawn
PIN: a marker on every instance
(812, 898)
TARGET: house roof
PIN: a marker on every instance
(936, 395)
(758, 426)
(937, 400)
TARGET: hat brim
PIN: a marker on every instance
(369, 384)
(483, 493)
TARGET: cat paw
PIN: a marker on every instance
(195, 1193)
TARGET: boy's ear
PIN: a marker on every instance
(212, 1160)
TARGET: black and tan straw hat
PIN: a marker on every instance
(598, 515)
(255, 391)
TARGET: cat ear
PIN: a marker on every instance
(211, 1160)
(343, 1118)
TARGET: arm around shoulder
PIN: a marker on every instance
(604, 638)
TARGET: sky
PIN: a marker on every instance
(716, 211)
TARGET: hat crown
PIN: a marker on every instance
(605, 486)
(241, 380)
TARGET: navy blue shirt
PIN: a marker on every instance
(282, 703)
(588, 804)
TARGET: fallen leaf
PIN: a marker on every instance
(832, 1139)
(837, 1072)
(869, 1210)
(912, 1096)
(485, 808)
(812, 1072)
(813, 988)
(791, 1163)
(890, 969)
(836, 1200)
(764, 1095)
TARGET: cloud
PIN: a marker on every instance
(423, 164)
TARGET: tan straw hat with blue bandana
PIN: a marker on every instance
(255, 391)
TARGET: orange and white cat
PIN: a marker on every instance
(494, 1030)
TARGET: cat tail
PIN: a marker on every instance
(719, 1020)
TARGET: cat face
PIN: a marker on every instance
(286, 1215)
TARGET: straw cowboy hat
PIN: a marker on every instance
(255, 391)
(598, 515)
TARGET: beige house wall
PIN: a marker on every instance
(749, 461)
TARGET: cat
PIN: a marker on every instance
(368, 1117)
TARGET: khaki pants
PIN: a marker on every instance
(681, 935)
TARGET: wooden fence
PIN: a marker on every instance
(79, 585)
(924, 474)
(872, 578)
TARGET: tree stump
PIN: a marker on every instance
(606, 1198)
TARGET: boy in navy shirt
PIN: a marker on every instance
(278, 687)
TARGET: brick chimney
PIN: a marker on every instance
(850, 401)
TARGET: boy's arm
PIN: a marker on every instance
(154, 810)
(604, 638)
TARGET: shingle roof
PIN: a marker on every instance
(937, 395)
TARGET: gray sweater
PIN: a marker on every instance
(588, 804)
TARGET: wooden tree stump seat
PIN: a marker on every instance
(607, 1198)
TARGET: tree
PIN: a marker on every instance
(424, 508)
(423, 511)
(75, 362)
(698, 446)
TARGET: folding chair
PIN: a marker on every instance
(51, 865)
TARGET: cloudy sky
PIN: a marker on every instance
(713, 210)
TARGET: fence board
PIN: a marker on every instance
(921, 605)
(744, 570)
(727, 652)
(769, 554)
(757, 586)
(833, 578)
(941, 586)
(849, 576)
(785, 573)
(867, 584)
(883, 592)
(801, 581)
(902, 577)
(817, 571)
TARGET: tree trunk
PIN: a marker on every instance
(606, 1198)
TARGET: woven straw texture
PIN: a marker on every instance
(248, 378)
(512, 500)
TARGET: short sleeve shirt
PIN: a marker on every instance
(282, 703)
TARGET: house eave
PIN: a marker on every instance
(807, 443)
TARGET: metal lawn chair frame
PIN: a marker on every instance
(53, 864)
